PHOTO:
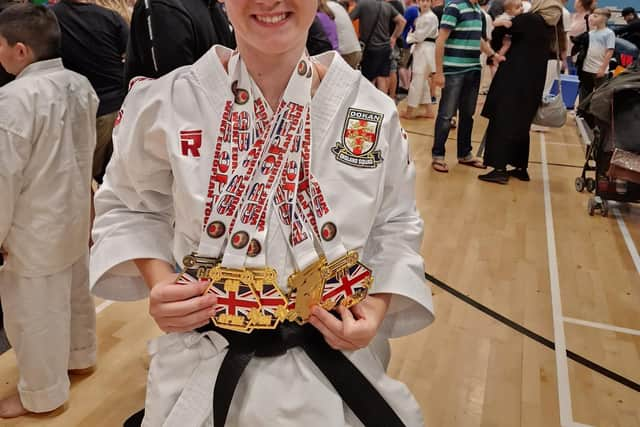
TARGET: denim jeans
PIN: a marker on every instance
(460, 94)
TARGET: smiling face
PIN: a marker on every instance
(271, 26)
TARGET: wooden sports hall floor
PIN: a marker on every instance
(467, 370)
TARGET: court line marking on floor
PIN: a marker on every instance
(103, 306)
(587, 363)
(603, 326)
(631, 246)
(562, 368)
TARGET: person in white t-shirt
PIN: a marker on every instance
(602, 42)
(348, 43)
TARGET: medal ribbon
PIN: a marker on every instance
(240, 189)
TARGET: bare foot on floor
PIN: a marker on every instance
(11, 407)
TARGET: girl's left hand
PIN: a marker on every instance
(356, 327)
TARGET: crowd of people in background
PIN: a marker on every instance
(393, 43)
(443, 55)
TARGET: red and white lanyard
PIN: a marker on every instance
(263, 158)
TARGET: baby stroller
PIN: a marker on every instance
(613, 113)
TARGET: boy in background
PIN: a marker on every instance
(602, 42)
(47, 138)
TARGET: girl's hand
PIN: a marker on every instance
(180, 308)
(356, 327)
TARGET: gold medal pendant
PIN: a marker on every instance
(236, 298)
(345, 281)
(248, 299)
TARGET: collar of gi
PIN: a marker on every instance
(41, 67)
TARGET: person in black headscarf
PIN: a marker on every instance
(516, 90)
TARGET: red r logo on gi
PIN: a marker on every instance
(191, 141)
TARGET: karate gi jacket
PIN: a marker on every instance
(151, 205)
(47, 139)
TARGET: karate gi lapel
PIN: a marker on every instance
(216, 84)
(336, 86)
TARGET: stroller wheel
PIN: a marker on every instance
(580, 183)
(591, 206)
(591, 185)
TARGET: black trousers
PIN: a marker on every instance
(588, 83)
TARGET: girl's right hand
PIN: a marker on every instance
(180, 308)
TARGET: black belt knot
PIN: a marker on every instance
(353, 387)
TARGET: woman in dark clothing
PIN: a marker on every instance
(516, 90)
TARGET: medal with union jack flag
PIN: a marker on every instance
(347, 287)
(237, 299)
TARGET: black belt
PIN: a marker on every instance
(353, 387)
(430, 40)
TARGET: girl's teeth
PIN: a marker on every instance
(271, 19)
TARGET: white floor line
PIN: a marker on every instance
(565, 144)
(562, 368)
(602, 326)
(633, 251)
(103, 306)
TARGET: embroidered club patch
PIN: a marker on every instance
(360, 139)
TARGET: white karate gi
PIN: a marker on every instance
(424, 58)
(47, 138)
(152, 182)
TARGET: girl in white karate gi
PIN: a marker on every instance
(424, 61)
(162, 199)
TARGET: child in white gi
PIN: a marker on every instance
(272, 167)
(47, 137)
(423, 50)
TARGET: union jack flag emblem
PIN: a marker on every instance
(189, 277)
(236, 303)
(348, 288)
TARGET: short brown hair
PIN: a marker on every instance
(588, 4)
(603, 11)
(35, 26)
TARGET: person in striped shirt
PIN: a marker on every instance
(458, 47)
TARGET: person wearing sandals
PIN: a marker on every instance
(458, 69)
(517, 89)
